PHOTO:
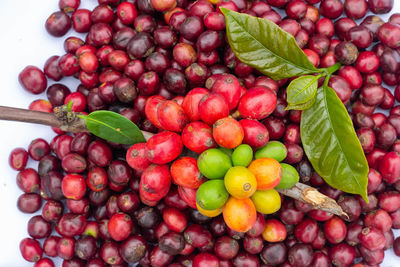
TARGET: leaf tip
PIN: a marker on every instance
(365, 197)
(223, 9)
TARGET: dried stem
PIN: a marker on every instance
(70, 122)
(314, 198)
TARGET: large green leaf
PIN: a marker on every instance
(113, 127)
(302, 90)
(263, 45)
(331, 144)
(302, 106)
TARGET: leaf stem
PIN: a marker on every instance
(332, 69)
(326, 80)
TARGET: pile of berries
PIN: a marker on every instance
(167, 66)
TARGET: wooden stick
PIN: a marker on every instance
(314, 198)
(70, 122)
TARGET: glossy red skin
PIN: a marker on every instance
(172, 199)
(97, 179)
(197, 235)
(50, 245)
(160, 258)
(79, 101)
(30, 249)
(78, 206)
(389, 167)
(379, 219)
(335, 230)
(136, 157)
(306, 231)
(88, 62)
(255, 133)
(374, 180)
(278, 230)
(257, 103)
(246, 259)
(228, 86)
(312, 56)
(372, 238)
(74, 163)
(120, 226)
(191, 102)
(214, 21)
(92, 229)
(228, 132)
(389, 201)
(33, 79)
(44, 262)
(152, 105)
(73, 186)
(213, 107)
(360, 107)
(367, 139)
(258, 228)
(71, 224)
(226, 247)
(389, 34)
(109, 252)
(188, 195)
(127, 12)
(155, 182)
(352, 76)
(197, 136)
(164, 147)
(320, 215)
(65, 248)
(184, 172)
(41, 105)
(205, 259)
(81, 20)
(184, 54)
(342, 253)
(28, 180)
(367, 62)
(175, 219)
(172, 116)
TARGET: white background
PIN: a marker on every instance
(24, 41)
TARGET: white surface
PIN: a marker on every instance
(24, 41)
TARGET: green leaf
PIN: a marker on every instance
(69, 105)
(302, 106)
(331, 144)
(263, 45)
(113, 127)
(302, 90)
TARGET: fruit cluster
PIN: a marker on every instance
(167, 66)
(244, 180)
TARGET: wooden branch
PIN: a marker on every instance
(314, 198)
(30, 116)
(70, 122)
(61, 118)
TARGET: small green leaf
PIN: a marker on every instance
(331, 144)
(69, 106)
(113, 127)
(302, 90)
(302, 106)
(263, 45)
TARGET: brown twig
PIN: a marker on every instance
(70, 122)
(314, 198)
